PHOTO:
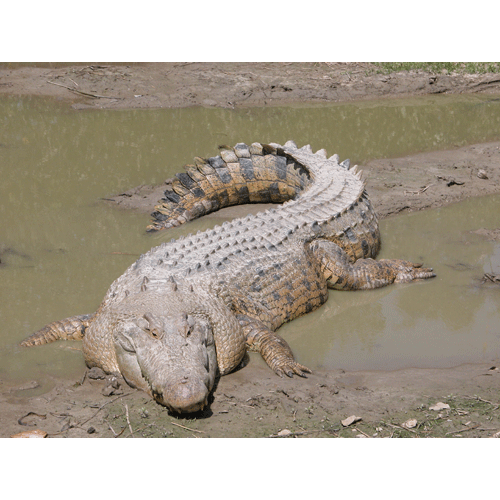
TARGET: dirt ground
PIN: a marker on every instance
(458, 402)
(176, 85)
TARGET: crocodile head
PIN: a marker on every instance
(172, 357)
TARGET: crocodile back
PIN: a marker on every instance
(328, 202)
(321, 199)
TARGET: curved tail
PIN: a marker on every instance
(239, 175)
(72, 328)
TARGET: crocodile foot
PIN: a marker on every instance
(274, 350)
(278, 355)
(341, 274)
(408, 271)
(290, 367)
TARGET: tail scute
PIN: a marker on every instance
(239, 175)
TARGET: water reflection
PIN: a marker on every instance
(446, 321)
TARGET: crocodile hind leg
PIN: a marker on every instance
(342, 274)
(275, 351)
(72, 328)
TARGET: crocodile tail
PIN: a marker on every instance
(72, 328)
(239, 175)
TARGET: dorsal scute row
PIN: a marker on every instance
(330, 190)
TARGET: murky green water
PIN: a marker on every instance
(443, 322)
(61, 247)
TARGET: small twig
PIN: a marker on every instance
(477, 398)
(484, 400)
(145, 427)
(80, 424)
(420, 191)
(471, 428)
(113, 431)
(425, 188)
(400, 427)
(364, 433)
(100, 408)
(304, 433)
(128, 420)
(239, 404)
(187, 428)
(84, 93)
(83, 378)
(494, 278)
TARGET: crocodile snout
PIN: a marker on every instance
(185, 396)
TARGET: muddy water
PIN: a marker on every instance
(61, 247)
(443, 322)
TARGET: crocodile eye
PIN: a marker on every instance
(154, 333)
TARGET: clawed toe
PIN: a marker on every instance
(425, 273)
(409, 271)
(292, 368)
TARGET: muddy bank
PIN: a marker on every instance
(253, 402)
(229, 85)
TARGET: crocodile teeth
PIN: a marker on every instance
(346, 163)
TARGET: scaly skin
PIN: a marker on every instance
(193, 305)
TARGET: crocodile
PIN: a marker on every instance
(188, 310)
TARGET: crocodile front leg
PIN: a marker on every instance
(342, 274)
(275, 351)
